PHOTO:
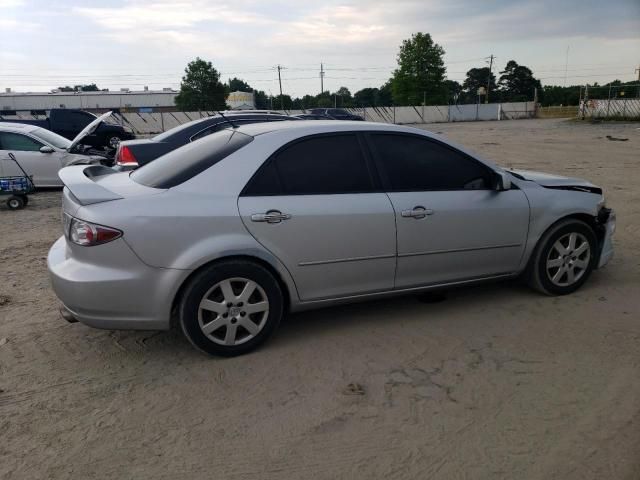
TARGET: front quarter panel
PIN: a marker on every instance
(548, 206)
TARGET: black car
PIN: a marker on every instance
(335, 113)
(312, 116)
(135, 153)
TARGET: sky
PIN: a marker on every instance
(45, 44)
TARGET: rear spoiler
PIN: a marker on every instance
(79, 180)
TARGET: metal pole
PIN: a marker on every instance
(321, 79)
(609, 101)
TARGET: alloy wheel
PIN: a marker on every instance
(568, 259)
(233, 311)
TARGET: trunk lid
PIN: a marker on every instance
(91, 184)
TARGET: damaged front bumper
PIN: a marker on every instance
(607, 220)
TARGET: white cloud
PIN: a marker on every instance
(11, 3)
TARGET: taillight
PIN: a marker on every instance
(89, 234)
(126, 157)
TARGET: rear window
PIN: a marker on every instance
(186, 162)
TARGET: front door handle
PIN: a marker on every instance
(417, 212)
(272, 216)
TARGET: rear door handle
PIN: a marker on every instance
(272, 216)
(417, 212)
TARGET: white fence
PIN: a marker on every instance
(614, 108)
(153, 123)
(444, 113)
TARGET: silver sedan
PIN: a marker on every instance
(40, 152)
(227, 234)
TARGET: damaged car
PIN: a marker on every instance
(224, 236)
(42, 153)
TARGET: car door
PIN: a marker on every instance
(43, 167)
(452, 224)
(316, 206)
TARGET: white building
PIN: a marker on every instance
(123, 99)
(241, 101)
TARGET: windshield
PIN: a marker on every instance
(51, 138)
(188, 161)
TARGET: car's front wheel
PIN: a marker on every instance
(564, 258)
(231, 307)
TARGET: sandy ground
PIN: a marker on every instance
(496, 382)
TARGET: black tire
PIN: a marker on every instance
(539, 273)
(15, 202)
(25, 199)
(204, 281)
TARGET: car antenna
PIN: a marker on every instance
(227, 120)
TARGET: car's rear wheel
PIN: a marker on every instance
(564, 258)
(231, 308)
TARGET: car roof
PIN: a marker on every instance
(188, 129)
(325, 126)
(17, 127)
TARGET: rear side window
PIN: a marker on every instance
(411, 163)
(186, 162)
(328, 164)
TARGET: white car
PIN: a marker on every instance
(41, 153)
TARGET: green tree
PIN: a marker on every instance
(454, 91)
(308, 101)
(283, 101)
(263, 102)
(238, 85)
(385, 95)
(367, 97)
(557, 95)
(420, 73)
(517, 83)
(92, 87)
(201, 88)
(476, 78)
(324, 100)
(342, 97)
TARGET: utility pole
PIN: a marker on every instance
(566, 66)
(321, 79)
(486, 97)
(280, 82)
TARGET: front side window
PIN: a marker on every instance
(327, 164)
(18, 142)
(411, 163)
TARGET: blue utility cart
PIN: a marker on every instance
(17, 188)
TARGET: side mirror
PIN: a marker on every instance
(503, 181)
(46, 149)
